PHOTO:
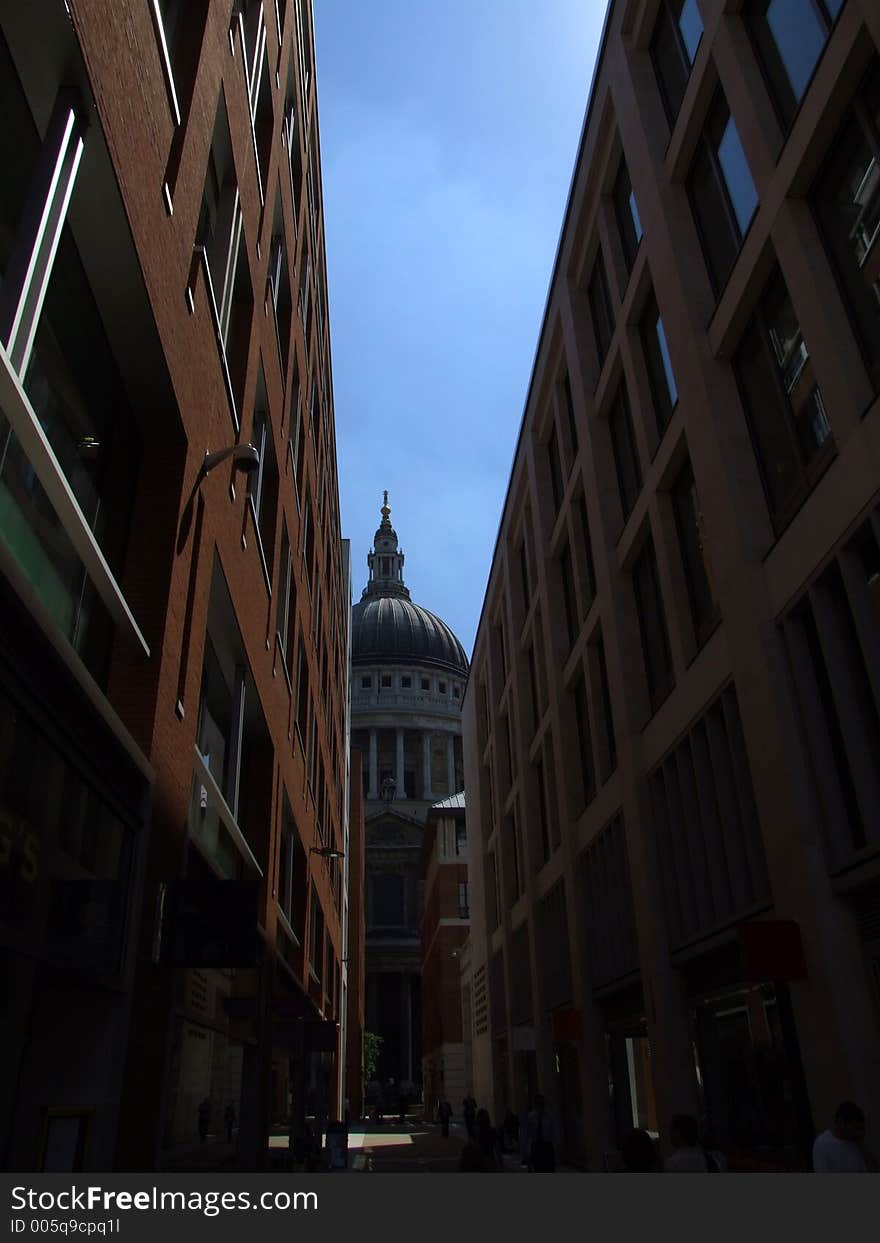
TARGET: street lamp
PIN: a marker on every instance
(245, 457)
(327, 852)
(389, 785)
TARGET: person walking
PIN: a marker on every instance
(444, 1113)
(688, 1155)
(229, 1119)
(204, 1116)
(486, 1139)
(639, 1153)
(540, 1138)
(469, 1109)
(840, 1149)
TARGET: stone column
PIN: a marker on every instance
(400, 789)
(374, 766)
(426, 767)
(450, 762)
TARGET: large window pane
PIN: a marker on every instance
(846, 197)
(626, 459)
(600, 307)
(652, 624)
(689, 524)
(737, 176)
(786, 413)
(691, 26)
(663, 383)
(628, 220)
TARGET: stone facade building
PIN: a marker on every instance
(408, 677)
(672, 724)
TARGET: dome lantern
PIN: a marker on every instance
(385, 559)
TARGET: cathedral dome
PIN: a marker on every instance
(391, 629)
(387, 627)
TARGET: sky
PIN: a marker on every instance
(449, 130)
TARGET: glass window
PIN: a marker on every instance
(586, 545)
(846, 198)
(660, 370)
(426, 684)
(441, 687)
(568, 597)
(652, 625)
(784, 406)
(608, 737)
(600, 308)
(692, 542)
(737, 177)
(627, 213)
(585, 742)
(676, 37)
(626, 458)
(790, 37)
(366, 683)
(386, 679)
(555, 464)
(405, 683)
(721, 190)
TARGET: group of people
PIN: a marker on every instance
(486, 1145)
(838, 1150)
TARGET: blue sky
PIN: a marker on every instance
(449, 130)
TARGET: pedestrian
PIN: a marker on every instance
(840, 1149)
(204, 1114)
(540, 1138)
(486, 1139)
(229, 1119)
(639, 1153)
(510, 1130)
(444, 1113)
(469, 1109)
(688, 1155)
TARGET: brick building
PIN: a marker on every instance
(175, 638)
(445, 928)
(672, 720)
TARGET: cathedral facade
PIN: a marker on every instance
(408, 678)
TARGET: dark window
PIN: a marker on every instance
(456, 693)
(524, 575)
(386, 679)
(366, 683)
(627, 213)
(406, 683)
(691, 538)
(426, 684)
(626, 458)
(790, 36)
(609, 742)
(676, 38)
(846, 197)
(722, 192)
(533, 686)
(463, 909)
(586, 544)
(783, 403)
(460, 839)
(542, 809)
(286, 615)
(600, 308)
(441, 687)
(263, 485)
(663, 384)
(585, 742)
(555, 468)
(569, 415)
(568, 597)
(652, 625)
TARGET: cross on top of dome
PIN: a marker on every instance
(386, 559)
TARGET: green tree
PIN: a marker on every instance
(372, 1047)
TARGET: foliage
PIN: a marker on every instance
(372, 1046)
